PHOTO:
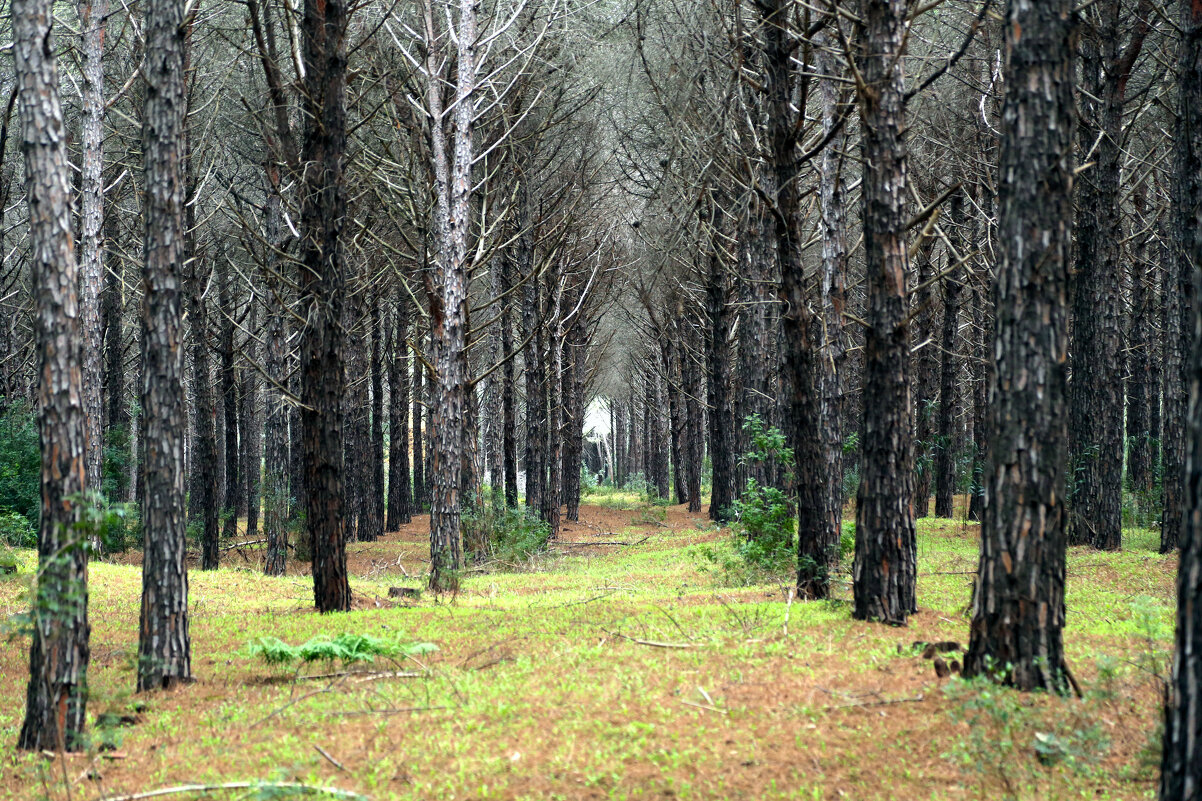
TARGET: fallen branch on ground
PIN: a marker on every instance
(307, 789)
(652, 643)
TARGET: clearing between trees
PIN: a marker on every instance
(624, 662)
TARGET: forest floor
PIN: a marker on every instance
(611, 671)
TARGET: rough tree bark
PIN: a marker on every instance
(92, 18)
(1141, 392)
(164, 644)
(229, 405)
(832, 342)
(949, 368)
(419, 473)
(56, 698)
(400, 488)
(1096, 390)
(883, 578)
(926, 369)
(719, 390)
(509, 442)
(322, 280)
(1181, 763)
(447, 285)
(375, 496)
(1018, 606)
(252, 423)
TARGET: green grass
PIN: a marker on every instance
(541, 688)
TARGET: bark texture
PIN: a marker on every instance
(322, 285)
(1018, 607)
(883, 577)
(56, 697)
(1181, 763)
(164, 644)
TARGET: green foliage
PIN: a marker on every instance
(504, 535)
(117, 463)
(767, 443)
(17, 531)
(588, 480)
(762, 536)
(115, 525)
(349, 649)
(20, 462)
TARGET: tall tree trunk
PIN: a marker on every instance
(981, 377)
(945, 444)
(400, 488)
(817, 534)
(886, 550)
(1018, 607)
(553, 491)
(375, 498)
(448, 288)
(117, 422)
(694, 424)
(719, 391)
(1181, 761)
(275, 429)
(1096, 390)
(164, 644)
(535, 369)
(204, 466)
(252, 424)
(56, 698)
(509, 442)
(92, 18)
(831, 339)
(419, 473)
(676, 419)
(493, 424)
(924, 382)
(1179, 288)
(322, 285)
(229, 401)
(1140, 390)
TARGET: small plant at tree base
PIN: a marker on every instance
(1017, 740)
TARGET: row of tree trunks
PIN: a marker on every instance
(945, 444)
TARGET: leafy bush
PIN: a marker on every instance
(20, 462)
(17, 531)
(348, 649)
(762, 535)
(118, 461)
(588, 480)
(502, 534)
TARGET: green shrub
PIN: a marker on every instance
(17, 531)
(503, 534)
(348, 649)
(588, 480)
(20, 462)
